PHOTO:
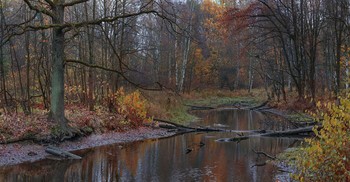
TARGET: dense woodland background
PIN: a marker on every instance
(183, 46)
(81, 64)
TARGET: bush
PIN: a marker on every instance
(132, 107)
(326, 158)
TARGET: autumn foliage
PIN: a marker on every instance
(132, 107)
(327, 156)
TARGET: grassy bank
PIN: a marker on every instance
(173, 107)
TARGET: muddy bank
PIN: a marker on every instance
(11, 154)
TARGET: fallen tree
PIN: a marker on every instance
(199, 107)
(305, 131)
(182, 128)
(292, 132)
(234, 139)
(61, 153)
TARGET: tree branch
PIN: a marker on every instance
(115, 71)
(93, 66)
(50, 3)
(39, 9)
(106, 19)
(72, 3)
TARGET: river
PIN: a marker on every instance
(177, 158)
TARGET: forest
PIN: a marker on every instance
(116, 59)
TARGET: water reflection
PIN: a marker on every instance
(165, 159)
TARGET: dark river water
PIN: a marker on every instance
(166, 159)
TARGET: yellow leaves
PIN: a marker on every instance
(326, 157)
(213, 24)
(132, 107)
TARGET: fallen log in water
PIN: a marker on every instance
(292, 132)
(199, 107)
(265, 154)
(172, 123)
(234, 139)
(259, 106)
(174, 126)
(186, 128)
(259, 164)
(61, 153)
(287, 133)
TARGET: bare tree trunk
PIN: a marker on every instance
(91, 78)
(57, 80)
(347, 70)
(184, 63)
(250, 75)
(176, 65)
(2, 69)
(186, 51)
(26, 100)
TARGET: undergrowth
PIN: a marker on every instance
(126, 111)
(326, 158)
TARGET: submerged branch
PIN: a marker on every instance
(265, 154)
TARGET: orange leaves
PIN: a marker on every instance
(239, 19)
(212, 7)
(215, 13)
(132, 107)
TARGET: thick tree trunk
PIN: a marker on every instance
(57, 79)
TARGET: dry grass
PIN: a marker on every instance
(168, 105)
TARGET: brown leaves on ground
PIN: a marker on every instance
(19, 126)
(98, 121)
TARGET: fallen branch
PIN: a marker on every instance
(187, 129)
(61, 153)
(259, 106)
(265, 154)
(293, 132)
(234, 139)
(258, 165)
(199, 107)
(172, 123)
(298, 131)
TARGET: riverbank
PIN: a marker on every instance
(103, 128)
(20, 152)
